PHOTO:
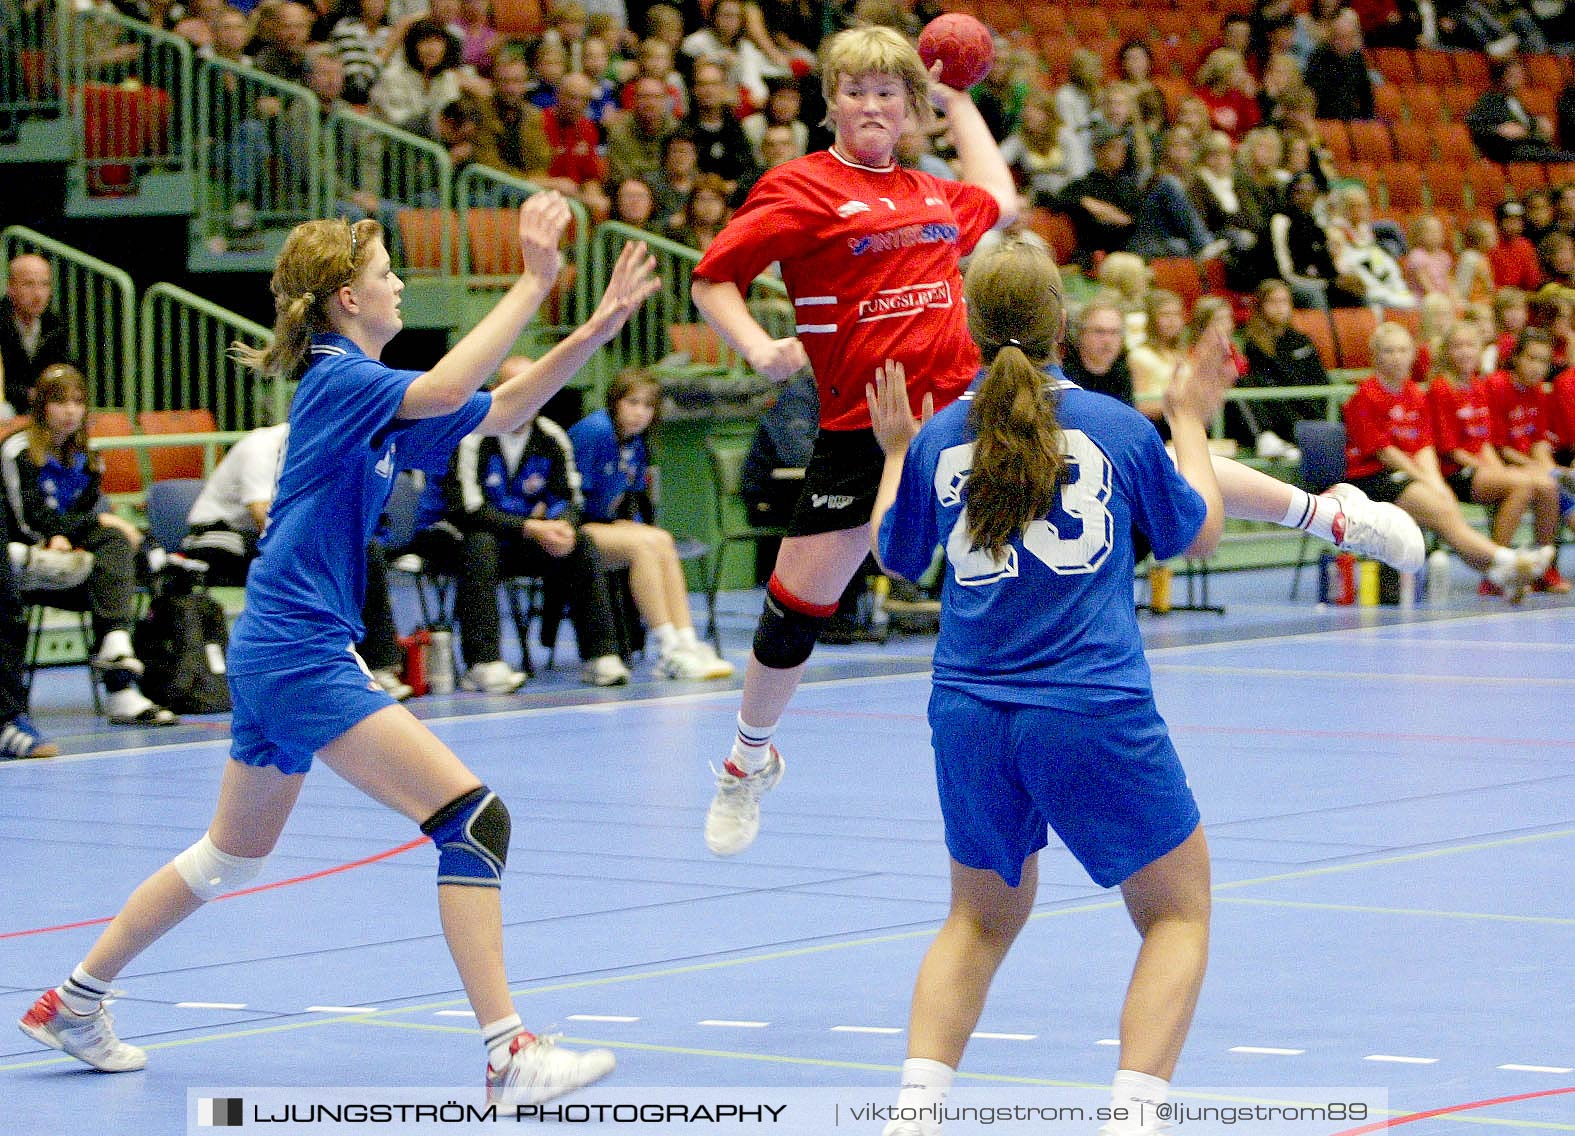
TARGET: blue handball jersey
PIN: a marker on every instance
(1051, 623)
(609, 469)
(305, 590)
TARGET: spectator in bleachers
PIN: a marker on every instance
(1474, 269)
(720, 142)
(478, 41)
(567, 24)
(53, 491)
(654, 60)
(1192, 114)
(596, 65)
(1118, 107)
(1564, 116)
(1390, 457)
(549, 63)
(1282, 74)
(1259, 158)
(1000, 94)
(675, 180)
(19, 737)
(1273, 30)
(516, 499)
(1228, 90)
(1313, 27)
(1462, 426)
(1513, 256)
(1039, 151)
(704, 213)
(1167, 223)
(1304, 148)
(231, 34)
(1564, 208)
(1511, 316)
(1300, 250)
(1522, 417)
(1098, 359)
(1337, 72)
(1359, 250)
(1102, 204)
(1503, 129)
(1437, 314)
(197, 25)
(365, 43)
(1556, 259)
(1483, 25)
(512, 136)
(1076, 99)
(613, 457)
(1135, 65)
(1154, 362)
(284, 29)
(424, 78)
(635, 142)
(32, 336)
(784, 104)
(577, 168)
(1278, 355)
(1540, 217)
(1230, 209)
(634, 204)
(1430, 266)
(1124, 277)
(1389, 23)
(744, 47)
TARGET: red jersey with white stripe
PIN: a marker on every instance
(870, 259)
(1561, 407)
(1376, 417)
(1519, 414)
(1459, 418)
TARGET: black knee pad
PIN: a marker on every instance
(472, 836)
(788, 628)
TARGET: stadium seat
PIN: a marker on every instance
(1454, 143)
(421, 232)
(1539, 101)
(517, 18)
(1489, 186)
(122, 473)
(1394, 64)
(1446, 185)
(1471, 70)
(1413, 141)
(1402, 182)
(169, 462)
(1423, 103)
(1370, 142)
(1457, 101)
(1089, 23)
(1525, 177)
(1314, 324)
(1178, 274)
(1336, 137)
(1389, 103)
(1559, 173)
(1433, 66)
(1056, 231)
(1353, 330)
(1543, 71)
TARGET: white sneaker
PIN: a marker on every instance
(1377, 529)
(539, 1071)
(115, 654)
(90, 1039)
(1270, 445)
(733, 820)
(697, 662)
(496, 677)
(716, 665)
(1530, 565)
(49, 570)
(605, 670)
(130, 707)
(398, 689)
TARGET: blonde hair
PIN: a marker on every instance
(1220, 65)
(1437, 316)
(1015, 315)
(318, 259)
(1125, 274)
(1444, 364)
(54, 383)
(1390, 330)
(883, 51)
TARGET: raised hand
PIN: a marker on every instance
(633, 281)
(544, 218)
(890, 415)
(1201, 380)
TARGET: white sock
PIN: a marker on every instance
(1312, 514)
(925, 1085)
(687, 637)
(128, 703)
(82, 993)
(497, 1038)
(752, 746)
(18, 554)
(666, 636)
(116, 645)
(1137, 1094)
(1503, 561)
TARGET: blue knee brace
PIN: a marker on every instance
(472, 837)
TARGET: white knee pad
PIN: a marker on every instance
(209, 873)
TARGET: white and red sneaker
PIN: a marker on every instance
(90, 1038)
(1377, 530)
(733, 820)
(537, 1070)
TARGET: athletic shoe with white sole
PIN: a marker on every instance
(19, 738)
(538, 1070)
(49, 569)
(398, 689)
(604, 670)
(1530, 565)
(90, 1039)
(733, 820)
(694, 662)
(1377, 530)
(495, 677)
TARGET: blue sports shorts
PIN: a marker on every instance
(1110, 785)
(283, 717)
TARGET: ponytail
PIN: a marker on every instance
(1018, 456)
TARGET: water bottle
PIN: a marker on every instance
(1438, 571)
(1159, 581)
(880, 618)
(440, 663)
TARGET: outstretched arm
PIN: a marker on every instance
(978, 154)
(894, 425)
(1191, 401)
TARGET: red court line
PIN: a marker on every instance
(1397, 1121)
(384, 855)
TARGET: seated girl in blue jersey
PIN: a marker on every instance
(54, 489)
(613, 458)
(299, 689)
(1042, 710)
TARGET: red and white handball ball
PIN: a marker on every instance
(964, 46)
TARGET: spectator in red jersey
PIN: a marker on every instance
(1522, 415)
(577, 169)
(1561, 405)
(1511, 314)
(1227, 89)
(1457, 403)
(1390, 457)
(869, 253)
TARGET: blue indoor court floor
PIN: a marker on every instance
(1390, 803)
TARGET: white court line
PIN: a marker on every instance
(1393, 1060)
(1517, 681)
(1538, 1068)
(210, 1005)
(454, 1014)
(865, 1029)
(340, 1010)
(727, 1023)
(1006, 1036)
(1108, 1041)
(600, 1018)
(1267, 1050)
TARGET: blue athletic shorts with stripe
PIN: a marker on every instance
(1111, 786)
(283, 717)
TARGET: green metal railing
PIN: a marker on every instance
(489, 245)
(261, 144)
(184, 361)
(130, 89)
(97, 304)
(32, 44)
(380, 170)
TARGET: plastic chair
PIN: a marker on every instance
(421, 233)
(168, 505)
(122, 473)
(732, 519)
(1413, 141)
(176, 461)
(1370, 142)
(1323, 465)
(1403, 186)
(1353, 332)
(1178, 274)
(1314, 324)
